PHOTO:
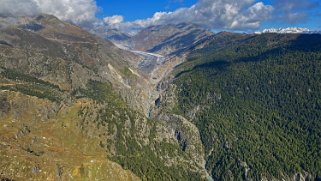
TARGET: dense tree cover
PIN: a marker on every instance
(256, 100)
(18, 76)
(29, 85)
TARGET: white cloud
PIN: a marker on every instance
(18, 8)
(212, 14)
(218, 14)
(116, 19)
(77, 11)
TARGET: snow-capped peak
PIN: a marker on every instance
(286, 30)
(290, 30)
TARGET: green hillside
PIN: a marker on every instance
(256, 100)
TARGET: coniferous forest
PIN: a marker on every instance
(257, 103)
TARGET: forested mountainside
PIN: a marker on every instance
(256, 100)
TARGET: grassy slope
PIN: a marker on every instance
(80, 132)
(38, 147)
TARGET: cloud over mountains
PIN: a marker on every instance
(116, 19)
(77, 11)
(211, 14)
(218, 14)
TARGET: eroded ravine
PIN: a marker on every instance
(158, 68)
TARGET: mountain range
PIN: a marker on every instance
(172, 102)
(292, 30)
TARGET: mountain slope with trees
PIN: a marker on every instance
(256, 100)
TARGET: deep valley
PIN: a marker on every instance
(172, 102)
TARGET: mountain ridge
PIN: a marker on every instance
(166, 39)
(294, 30)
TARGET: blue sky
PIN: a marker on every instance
(140, 9)
(133, 15)
(307, 12)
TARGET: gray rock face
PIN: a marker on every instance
(4, 106)
(166, 40)
(112, 34)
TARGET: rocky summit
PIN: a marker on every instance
(171, 102)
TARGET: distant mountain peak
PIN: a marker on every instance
(293, 30)
(166, 39)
